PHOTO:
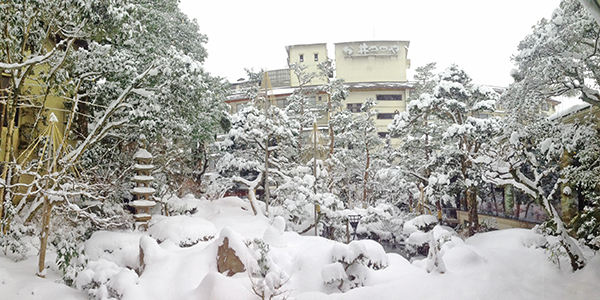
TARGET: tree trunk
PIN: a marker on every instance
(267, 193)
(472, 207)
(365, 204)
(438, 205)
(331, 137)
(46, 214)
(8, 152)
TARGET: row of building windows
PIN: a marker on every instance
(316, 57)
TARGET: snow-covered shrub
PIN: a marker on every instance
(13, 243)
(183, 231)
(268, 279)
(418, 230)
(112, 259)
(587, 225)
(434, 258)
(352, 263)
(103, 279)
(69, 250)
(187, 205)
(555, 244)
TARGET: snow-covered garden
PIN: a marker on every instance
(177, 258)
(110, 112)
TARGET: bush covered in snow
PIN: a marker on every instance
(419, 239)
(183, 231)
(13, 243)
(352, 263)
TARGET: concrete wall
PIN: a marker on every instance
(496, 222)
(308, 53)
(372, 61)
(384, 106)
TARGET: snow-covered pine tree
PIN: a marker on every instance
(259, 147)
(530, 160)
(452, 110)
(337, 92)
(301, 105)
(559, 57)
(357, 143)
(420, 135)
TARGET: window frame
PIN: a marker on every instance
(389, 97)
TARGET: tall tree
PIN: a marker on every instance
(560, 57)
(111, 63)
(260, 145)
(530, 160)
(452, 111)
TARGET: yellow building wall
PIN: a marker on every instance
(383, 106)
(27, 116)
(372, 61)
(308, 52)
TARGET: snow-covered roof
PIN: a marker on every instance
(379, 85)
(143, 154)
(568, 111)
(284, 91)
(143, 203)
(143, 190)
(142, 178)
(373, 41)
(143, 167)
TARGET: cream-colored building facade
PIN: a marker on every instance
(370, 69)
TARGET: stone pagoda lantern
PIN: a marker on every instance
(142, 192)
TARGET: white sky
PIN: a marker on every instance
(480, 36)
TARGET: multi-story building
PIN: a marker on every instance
(373, 69)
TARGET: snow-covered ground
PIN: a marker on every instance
(508, 264)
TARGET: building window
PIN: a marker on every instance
(386, 116)
(316, 56)
(281, 103)
(481, 116)
(320, 98)
(382, 135)
(394, 97)
(301, 57)
(354, 107)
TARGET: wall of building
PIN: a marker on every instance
(372, 61)
(383, 106)
(305, 55)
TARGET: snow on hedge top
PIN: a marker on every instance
(513, 239)
(369, 252)
(333, 272)
(119, 247)
(182, 230)
(419, 223)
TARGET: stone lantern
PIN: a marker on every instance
(142, 192)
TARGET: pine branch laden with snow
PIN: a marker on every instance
(558, 58)
(530, 159)
(443, 136)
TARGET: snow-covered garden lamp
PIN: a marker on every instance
(354, 219)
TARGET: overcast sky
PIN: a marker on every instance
(480, 36)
